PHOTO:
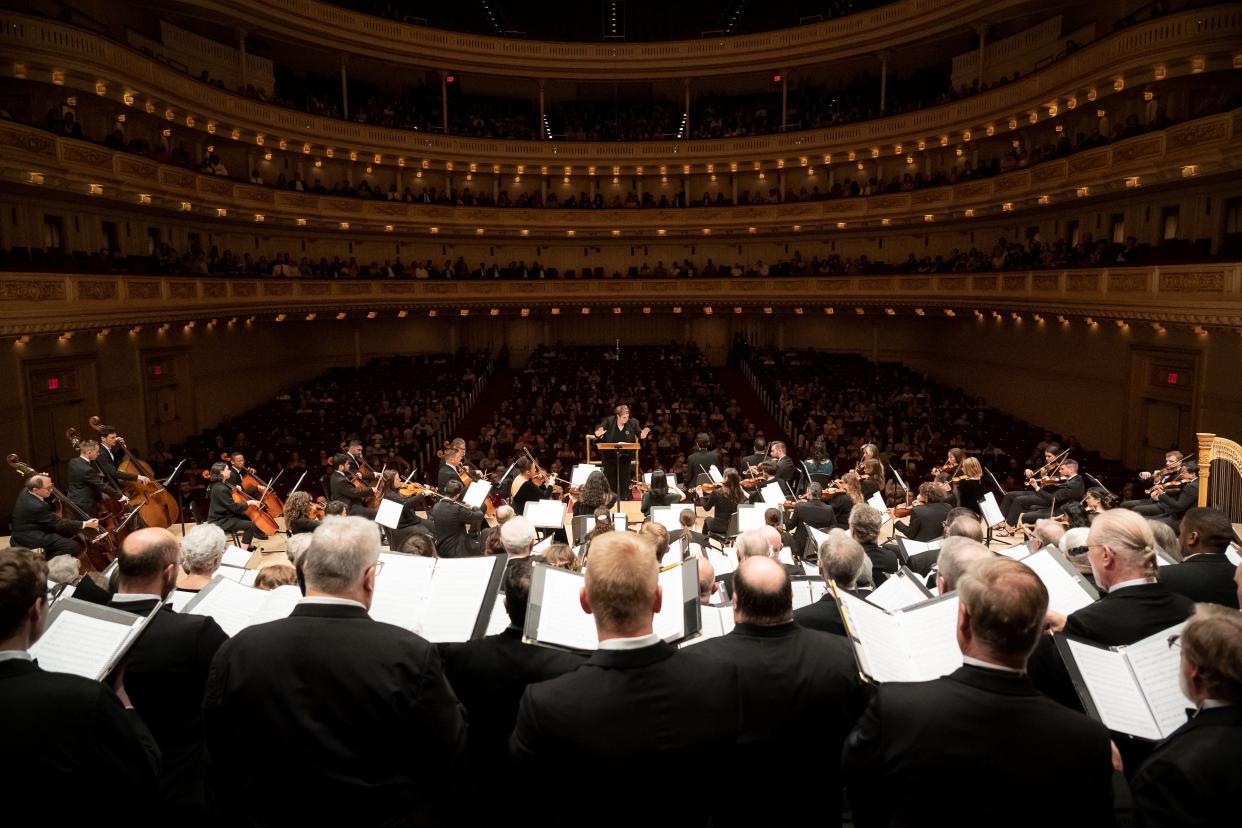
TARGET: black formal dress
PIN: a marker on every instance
(230, 516)
(928, 736)
(813, 513)
(526, 493)
(36, 526)
(354, 713)
(300, 525)
(489, 677)
(816, 679)
(652, 498)
(70, 747)
(969, 494)
(722, 508)
(654, 709)
(342, 488)
(86, 485)
(1191, 778)
(617, 465)
(450, 520)
(926, 522)
(1206, 576)
(165, 674)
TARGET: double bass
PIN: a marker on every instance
(111, 507)
(156, 505)
(97, 547)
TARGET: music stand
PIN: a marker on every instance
(618, 448)
(180, 499)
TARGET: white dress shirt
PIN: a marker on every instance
(636, 643)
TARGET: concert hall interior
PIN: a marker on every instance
(322, 313)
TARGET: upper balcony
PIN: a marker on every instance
(1169, 47)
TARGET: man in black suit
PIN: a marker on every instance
(841, 561)
(1191, 778)
(815, 678)
(619, 428)
(815, 512)
(786, 468)
(953, 731)
(237, 462)
(354, 713)
(1204, 574)
(637, 703)
(865, 522)
(70, 744)
(111, 453)
(86, 483)
(1052, 499)
(489, 676)
(1174, 504)
(768, 470)
(36, 524)
(166, 669)
(454, 460)
(701, 459)
(341, 487)
(752, 461)
(455, 524)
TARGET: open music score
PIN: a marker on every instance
(87, 639)
(914, 644)
(235, 606)
(442, 599)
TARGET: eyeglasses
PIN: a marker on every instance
(1174, 641)
(378, 566)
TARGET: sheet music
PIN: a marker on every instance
(877, 501)
(877, 639)
(1157, 667)
(670, 516)
(991, 511)
(233, 573)
(580, 473)
(801, 594)
(785, 556)
(897, 592)
(543, 545)
(477, 493)
(545, 514)
(499, 620)
(180, 598)
(451, 607)
(1232, 554)
(1016, 553)
(717, 621)
(1065, 593)
(749, 517)
(819, 588)
(1163, 559)
(670, 622)
(235, 556)
(278, 604)
(561, 618)
(399, 589)
(231, 604)
(1117, 697)
(819, 536)
(930, 632)
(773, 494)
(389, 514)
(714, 474)
(723, 562)
(248, 577)
(914, 547)
(80, 644)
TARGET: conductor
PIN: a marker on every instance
(619, 429)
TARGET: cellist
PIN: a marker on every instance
(358, 464)
(110, 457)
(237, 465)
(230, 516)
(36, 524)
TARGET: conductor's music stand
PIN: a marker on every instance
(618, 448)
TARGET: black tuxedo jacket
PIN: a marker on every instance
(165, 673)
(1191, 778)
(450, 520)
(926, 522)
(343, 489)
(222, 505)
(652, 710)
(1063, 494)
(35, 522)
(445, 474)
(815, 513)
(489, 676)
(1204, 577)
(86, 484)
(931, 735)
(355, 714)
(70, 747)
(108, 462)
(1176, 503)
(238, 475)
(752, 460)
(884, 562)
(823, 615)
(816, 679)
(699, 462)
(787, 469)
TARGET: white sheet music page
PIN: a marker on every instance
(991, 511)
(749, 517)
(897, 592)
(389, 514)
(879, 640)
(458, 588)
(231, 604)
(722, 562)
(279, 604)
(877, 501)
(1157, 667)
(717, 621)
(545, 514)
(819, 535)
(670, 622)
(714, 474)
(399, 589)
(235, 556)
(477, 493)
(1064, 593)
(801, 594)
(930, 633)
(1117, 697)
(499, 620)
(562, 620)
(81, 644)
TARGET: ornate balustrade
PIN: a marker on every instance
(1202, 296)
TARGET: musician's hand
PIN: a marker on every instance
(93, 523)
(124, 499)
(1054, 621)
(642, 435)
(1144, 475)
(599, 432)
(1029, 473)
(142, 478)
(253, 503)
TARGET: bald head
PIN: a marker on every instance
(707, 580)
(773, 536)
(147, 562)
(622, 589)
(762, 593)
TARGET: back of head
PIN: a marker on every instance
(1211, 526)
(707, 577)
(339, 459)
(841, 558)
(956, 556)
(1165, 538)
(23, 581)
(1048, 532)
(203, 546)
(1074, 541)
(762, 592)
(453, 489)
(1212, 642)
(562, 557)
(342, 550)
(1128, 536)
(518, 573)
(865, 522)
(504, 513)
(1006, 603)
(518, 536)
(274, 575)
(772, 517)
(963, 523)
(416, 543)
(621, 581)
(751, 543)
(295, 547)
(143, 556)
(653, 533)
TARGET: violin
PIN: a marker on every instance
(1162, 488)
(411, 488)
(316, 511)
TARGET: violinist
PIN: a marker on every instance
(341, 487)
(659, 494)
(357, 463)
(968, 485)
(1172, 470)
(810, 510)
(298, 518)
(701, 460)
(111, 454)
(237, 464)
(230, 516)
(851, 494)
(595, 494)
(872, 477)
(526, 487)
(1054, 495)
(86, 482)
(455, 524)
(750, 463)
(952, 463)
(786, 469)
(723, 503)
(929, 514)
(36, 524)
(1007, 507)
(409, 522)
(767, 471)
(454, 464)
(1176, 497)
(869, 451)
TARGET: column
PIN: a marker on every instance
(638, 183)
(495, 187)
(784, 98)
(241, 55)
(883, 79)
(982, 31)
(542, 112)
(444, 101)
(344, 87)
(685, 89)
(733, 185)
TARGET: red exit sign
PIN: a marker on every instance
(53, 383)
(1172, 378)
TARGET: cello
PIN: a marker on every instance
(251, 482)
(97, 549)
(257, 515)
(156, 505)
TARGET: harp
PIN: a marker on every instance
(1220, 475)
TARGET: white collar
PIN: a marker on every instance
(1207, 704)
(331, 601)
(134, 597)
(988, 665)
(1130, 583)
(636, 643)
(15, 655)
